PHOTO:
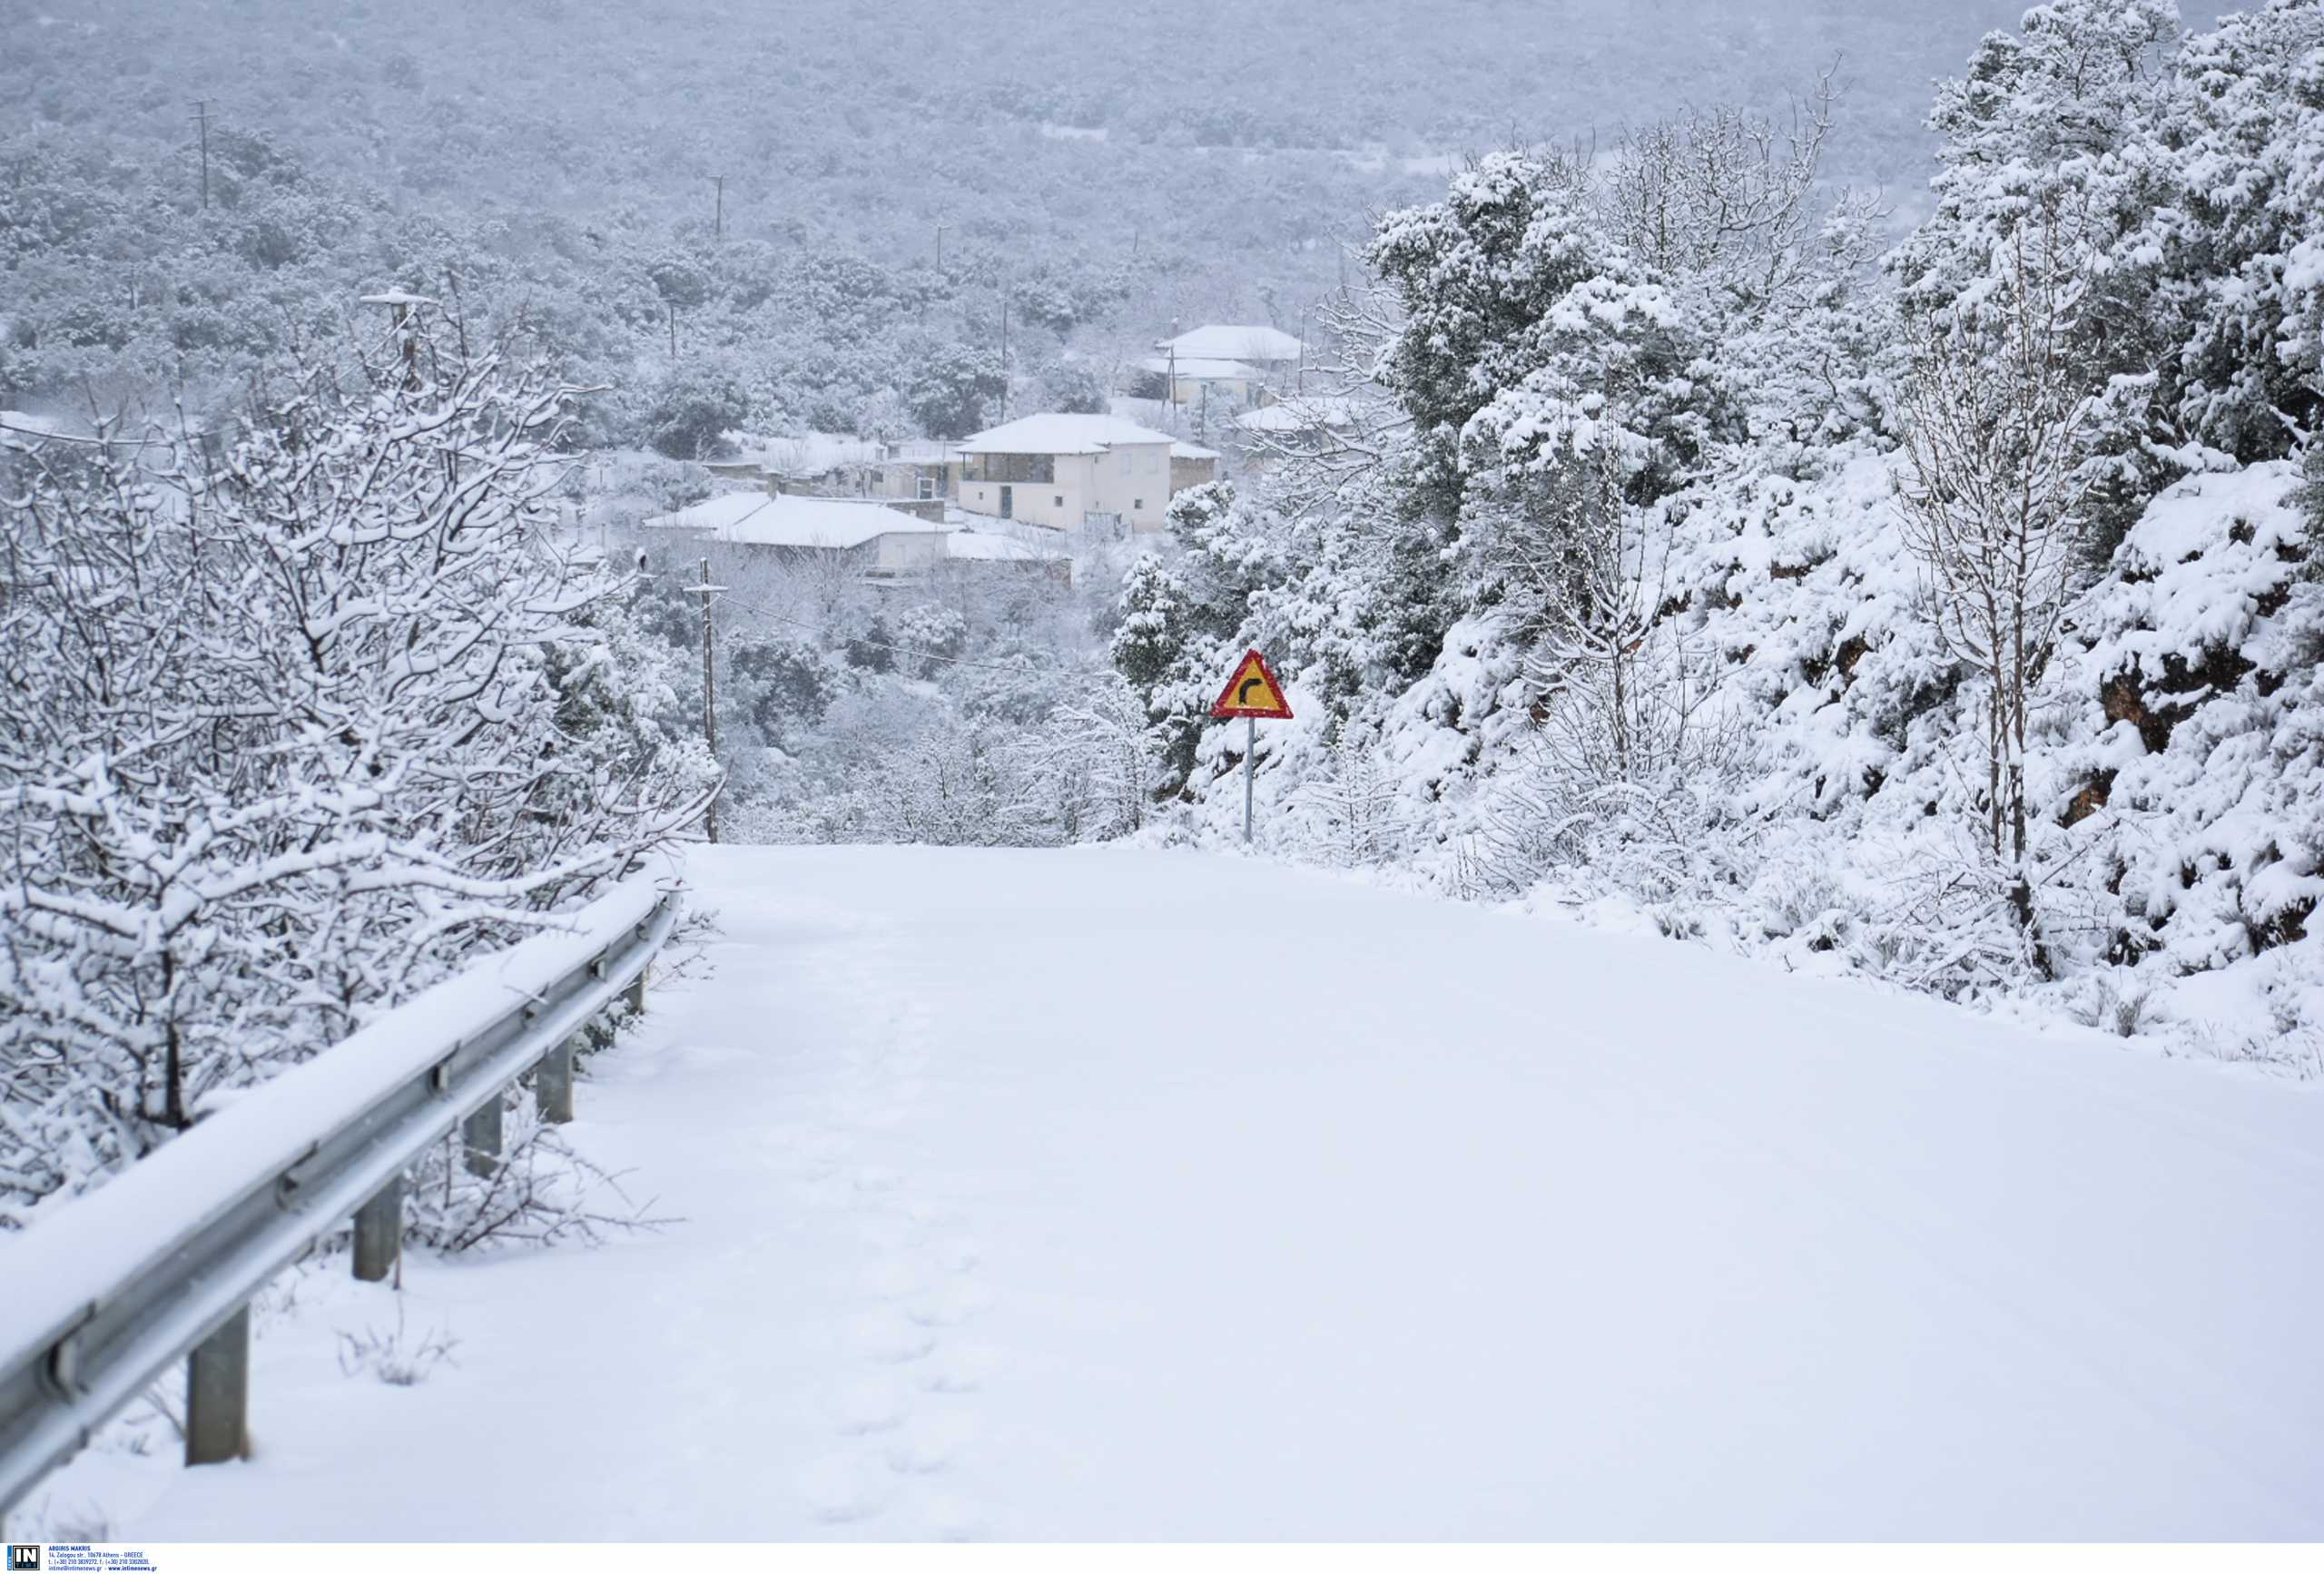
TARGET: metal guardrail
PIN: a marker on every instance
(162, 1262)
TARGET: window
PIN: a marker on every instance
(927, 488)
(1061, 501)
(1137, 504)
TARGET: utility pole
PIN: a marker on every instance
(940, 247)
(673, 331)
(1004, 350)
(202, 119)
(718, 218)
(402, 317)
(708, 591)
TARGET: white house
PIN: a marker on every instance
(1302, 423)
(1202, 379)
(878, 542)
(881, 540)
(1066, 471)
(1253, 344)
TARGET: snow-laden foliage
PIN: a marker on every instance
(295, 722)
(1957, 622)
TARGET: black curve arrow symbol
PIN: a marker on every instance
(1242, 690)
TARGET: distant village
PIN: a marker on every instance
(1030, 494)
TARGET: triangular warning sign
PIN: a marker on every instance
(1253, 691)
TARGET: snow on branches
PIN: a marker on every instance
(297, 717)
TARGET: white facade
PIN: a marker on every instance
(1060, 470)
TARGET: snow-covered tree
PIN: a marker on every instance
(298, 719)
(1992, 500)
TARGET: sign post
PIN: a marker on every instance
(1254, 694)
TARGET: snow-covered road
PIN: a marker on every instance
(1122, 1194)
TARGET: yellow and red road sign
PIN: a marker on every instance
(1253, 692)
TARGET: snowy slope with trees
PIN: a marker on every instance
(1953, 621)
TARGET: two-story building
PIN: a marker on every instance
(1069, 472)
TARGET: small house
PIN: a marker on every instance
(1265, 350)
(876, 539)
(1069, 472)
(1192, 464)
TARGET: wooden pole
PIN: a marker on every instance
(201, 118)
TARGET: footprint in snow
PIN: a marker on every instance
(949, 1305)
(954, 1518)
(874, 1403)
(849, 1486)
(958, 1368)
(888, 1337)
(927, 1443)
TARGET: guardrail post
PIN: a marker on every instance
(638, 989)
(553, 1083)
(480, 1135)
(378, 1233)
(218, 1395)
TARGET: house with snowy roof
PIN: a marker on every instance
(1069, 472)
(880, 542)
(1299, 419)
(1204, 381)
(880, 539)
(1192, 464)
(1256, 345)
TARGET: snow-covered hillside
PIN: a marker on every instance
(1950, 613)
(1139, 1194)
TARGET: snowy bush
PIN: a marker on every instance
(297, 722)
